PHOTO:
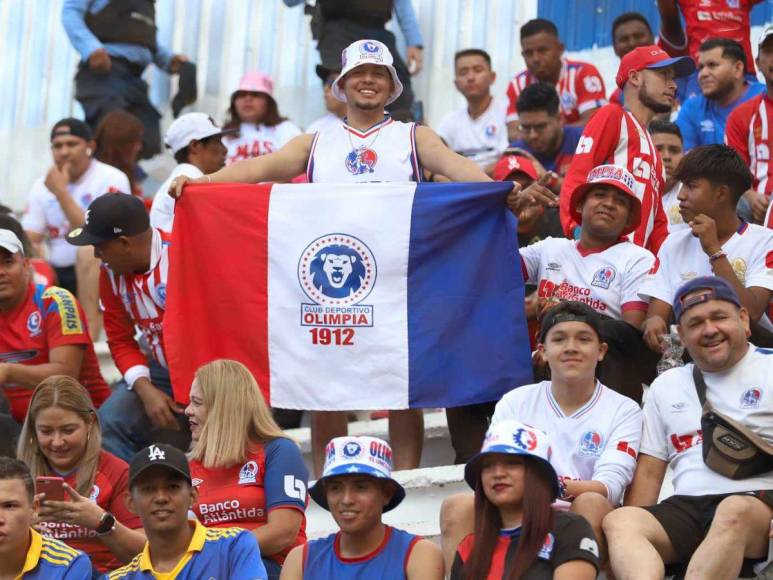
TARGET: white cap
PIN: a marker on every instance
(766, 33)
(367, 52)
(190, 127)
(9, 241)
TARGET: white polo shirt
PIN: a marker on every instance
(672, 420)
(597, 442)
(483, 139)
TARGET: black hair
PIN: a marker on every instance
(8, 222)
(719, 164)
(627, 17)
(664, 126)
(570, 311)
(182, 156)
(731, 50)
(473, 52)
(539, 97)
(11, 468)
(536, 26)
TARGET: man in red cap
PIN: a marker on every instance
(617, 134)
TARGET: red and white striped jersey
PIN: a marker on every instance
(130, 300)
(748, 131)
(580, 88)
(613, 135)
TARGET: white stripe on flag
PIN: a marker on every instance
(356, 363)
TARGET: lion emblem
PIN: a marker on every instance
(337, 271)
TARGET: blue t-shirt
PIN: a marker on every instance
(322, 559)
(702, 121)
(50, 559)
(231, 553)
(560, 160)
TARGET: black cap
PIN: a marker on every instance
(71, 126)
(324, 73)
(570, 311)
(159, 454)
(110, 216)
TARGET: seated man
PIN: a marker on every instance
(668, 141)
(161, 493)
(478, 130)
(42, 333)
(717, 242)
(24, 553)
(603, 270)
(595, 431)
(716, 524)
(543, 134)
(356, 487)
(579, 84)
(133, 292)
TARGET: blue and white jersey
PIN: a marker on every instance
(322, 558)
(384, 152)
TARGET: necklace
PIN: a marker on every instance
(369, 145)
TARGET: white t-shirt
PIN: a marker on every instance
(483, 139)
(44, 215)
(255, 140)
(597, 442)
(608, 281)
(672, 420)
(162, 210)
(671, 207)
(681, 258)
(324, 123)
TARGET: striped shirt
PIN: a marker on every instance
(748, 132)
(139, 300)
(580, 88)
(613, 135)
(50, 559)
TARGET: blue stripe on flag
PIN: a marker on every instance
(467, 334)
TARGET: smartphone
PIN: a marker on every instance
(53, 487)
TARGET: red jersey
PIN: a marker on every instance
(46, 319)
(111, 484)
(748, 132)
(44, 273)
(706, 19)
(136, 299)
(613, 135)
(580, 88)
(273, 477)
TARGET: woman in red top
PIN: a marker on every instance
(518, 535)
(61, 437)
(257, 482)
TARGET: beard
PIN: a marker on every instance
(722, 90)
(649, 101)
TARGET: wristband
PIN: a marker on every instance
(717, 255)
(106, 524)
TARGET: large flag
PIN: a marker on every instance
(367, 296)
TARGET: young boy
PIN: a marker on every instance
(667, 138)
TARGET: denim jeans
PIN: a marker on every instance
(126, 428)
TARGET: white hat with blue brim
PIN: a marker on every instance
(369, 456)
(363, 52)
(514, 438)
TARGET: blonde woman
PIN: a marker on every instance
(248, 473)
(61, 437)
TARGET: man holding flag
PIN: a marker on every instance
(368, 146)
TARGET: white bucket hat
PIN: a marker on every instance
(367, 52)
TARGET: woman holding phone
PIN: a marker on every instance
(81, 487)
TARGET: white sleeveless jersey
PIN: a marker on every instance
(385, 152)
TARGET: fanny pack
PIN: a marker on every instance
(729, 448)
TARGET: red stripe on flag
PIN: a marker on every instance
(217, 299)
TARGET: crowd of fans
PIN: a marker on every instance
(644, 222)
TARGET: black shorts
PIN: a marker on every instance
(687, 518)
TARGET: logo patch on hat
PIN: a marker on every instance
(352, 450)
(75, 233)
(525, 439)
(369, 49)
(154, 453)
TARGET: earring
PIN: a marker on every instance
(89, 151)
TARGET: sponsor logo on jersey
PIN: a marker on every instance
(337, 272)
(751, 398)
(161, 293)
(733, 4)
(707, 126)
(361, 160)
(68, 310)
(33, 323)
(525, 439)
(491, 130)
(248, 473)
(547, 547)
(553, 267)
(591, 443)
(294, 488)
(352, 450)
(603, 277)
(590, 545)
(679, 407)
(94, 493)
